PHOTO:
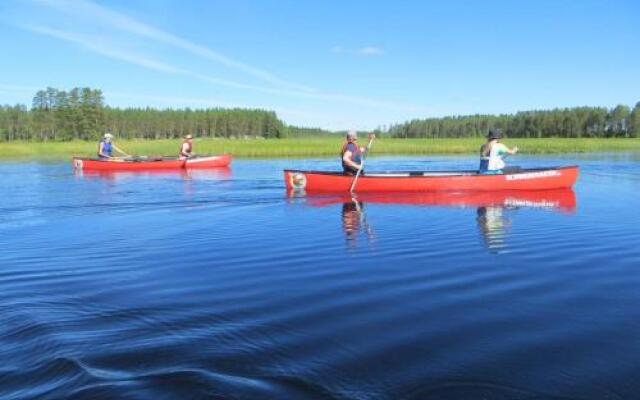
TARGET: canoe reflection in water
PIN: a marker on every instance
(155, 180)
(185, 174)
(494, 218)
(493, 209)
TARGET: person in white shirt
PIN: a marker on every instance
(493, 153)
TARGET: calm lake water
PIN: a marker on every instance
(216, 285)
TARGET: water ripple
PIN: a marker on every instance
(160, 287)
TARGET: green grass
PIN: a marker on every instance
(310, 147)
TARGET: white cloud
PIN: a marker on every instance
(88, 9)
(100, 47)
(103, 48)
(370, 51)
(113, 35)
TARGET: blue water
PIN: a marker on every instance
(217, 285)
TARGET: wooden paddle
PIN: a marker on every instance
(355, 180)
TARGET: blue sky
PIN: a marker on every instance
(336, 65)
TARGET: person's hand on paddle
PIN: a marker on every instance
(119, 150)
(365, 149)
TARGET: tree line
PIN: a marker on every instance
(81, 113)
(577, 122)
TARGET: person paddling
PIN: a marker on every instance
(493, 153)
(106, 148)
(186, 149)
(352, 154)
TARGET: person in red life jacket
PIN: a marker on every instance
(186, 150)
(352, 154)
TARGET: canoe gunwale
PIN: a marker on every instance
(153, 163)
(432, 174)
(153, 159)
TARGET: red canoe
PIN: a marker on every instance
(150, 163)
(430, 181)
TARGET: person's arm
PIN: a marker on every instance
(484, 151)
(119, 150)
(504, 150)
(347, 160)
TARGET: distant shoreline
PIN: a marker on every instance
(311, 147)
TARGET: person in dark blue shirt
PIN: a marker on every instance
(106, 148)
(352, 154)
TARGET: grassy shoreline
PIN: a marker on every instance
(310, 147)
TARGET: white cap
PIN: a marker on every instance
(352, 134)
(108, 136)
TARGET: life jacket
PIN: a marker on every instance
(186, 152)
(356, 154)
(106, 148)
(494, 161)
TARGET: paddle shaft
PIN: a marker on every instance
(355, 180)
(363, 218)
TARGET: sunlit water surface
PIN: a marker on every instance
(217, 285)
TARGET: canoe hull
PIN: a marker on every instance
(163, 163)
(208, 162)
(99, 165)
(524, 179)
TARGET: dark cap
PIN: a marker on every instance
(494, 134)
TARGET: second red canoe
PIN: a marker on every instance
(151, 163)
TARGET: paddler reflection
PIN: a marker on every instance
(354, 223)
(494, 217)
(494, 225)
(494, 211)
